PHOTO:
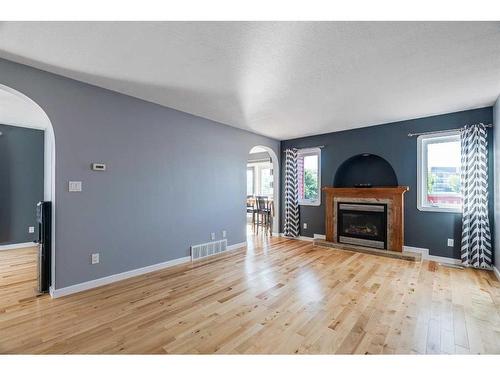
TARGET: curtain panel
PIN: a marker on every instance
(476, 238)
(292, 224)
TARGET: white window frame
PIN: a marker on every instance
(306, 152)
(422, 170)
(271, 173)
(252, 168)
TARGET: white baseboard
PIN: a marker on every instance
(300, 238)
(425, 255)
(17, 246)
(497, 273)
(56, 293)
(304, 238)
(91, 284)
(236, 246)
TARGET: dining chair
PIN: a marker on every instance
(263, 209)
(251, 208)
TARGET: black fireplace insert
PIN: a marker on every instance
(363, 224)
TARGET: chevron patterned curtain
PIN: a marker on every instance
(291, 226)
(476, 240)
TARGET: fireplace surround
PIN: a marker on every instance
(391, 198)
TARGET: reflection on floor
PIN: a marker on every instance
(18, 273)
(277, 296)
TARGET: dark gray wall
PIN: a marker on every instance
(172, 178)
(21, 182)
(496, 141)
(422, 229)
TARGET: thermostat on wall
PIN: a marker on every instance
(98, 167)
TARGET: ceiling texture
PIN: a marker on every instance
(280, 79)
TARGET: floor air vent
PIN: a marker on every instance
(208, 249)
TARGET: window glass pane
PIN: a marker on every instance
(310, 179)
(250, 181)
(443, 174)
(266, 180)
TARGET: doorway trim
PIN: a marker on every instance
(49, 170)
(276, 185)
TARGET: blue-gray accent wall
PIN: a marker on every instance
(172, 178)
(428, 230)
(21, 182)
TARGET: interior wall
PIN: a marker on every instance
(171, 180)
(496, 224)
(21, 182)
(429, 230)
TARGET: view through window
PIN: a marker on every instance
(266, 181)
(260, 178)
(308, 170)
(440, 173)
(250, 181)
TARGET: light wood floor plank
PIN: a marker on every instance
(276, 296)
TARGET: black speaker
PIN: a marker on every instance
(44, 219)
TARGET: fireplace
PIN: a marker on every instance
(386, 203)
(363, 224)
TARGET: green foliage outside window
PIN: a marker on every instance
(431, 181)
(454, 182)
(310, 184)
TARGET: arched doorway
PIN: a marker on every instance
(263, 178)
(19, 110)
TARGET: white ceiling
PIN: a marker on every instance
(280, 79)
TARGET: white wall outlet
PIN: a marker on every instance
(75, 186)
(212, 236)
(224, 234)
(305, 225)
(451, 242)
(31, 229)
(95, 258)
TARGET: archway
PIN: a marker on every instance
(275, 182)
(21, 111)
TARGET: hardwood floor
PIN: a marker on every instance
(18, 274)
(279, 296)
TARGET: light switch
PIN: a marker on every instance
(75, 186)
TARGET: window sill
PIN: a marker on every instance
(309, 203)
(440, 209)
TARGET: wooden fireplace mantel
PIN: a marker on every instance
(393, 195)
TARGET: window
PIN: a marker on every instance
(260, 178)
(309, 176)
(266, 181)
(250, 180)
(438, 185)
